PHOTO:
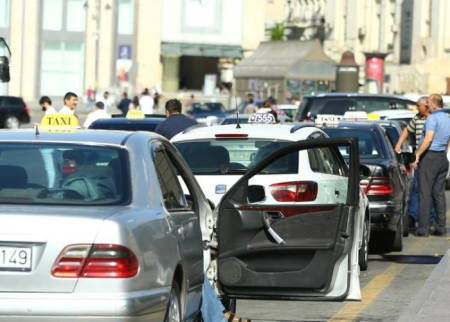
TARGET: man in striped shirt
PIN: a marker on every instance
(415, 126)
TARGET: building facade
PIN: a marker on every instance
(126, 45)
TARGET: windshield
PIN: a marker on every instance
(208, 108)
(231, 156)
(369, 146)
(61, 174)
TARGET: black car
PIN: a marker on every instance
(128, 124)
(339, 103)
(13, 112)
(386, 184)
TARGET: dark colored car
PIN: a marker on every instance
(386, 184)
(339, 103)
(148, 124)
(13, 112)
(210, 113)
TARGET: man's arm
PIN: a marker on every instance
(401, 139)
(424, 146)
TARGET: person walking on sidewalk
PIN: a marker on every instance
(432, 155)
(415, 127)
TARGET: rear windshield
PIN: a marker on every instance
(369, 145)
(149, 127)
(235, 156)
(62, 174)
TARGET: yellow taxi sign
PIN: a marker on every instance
(59, 123)
(135, 114)
(373, 116)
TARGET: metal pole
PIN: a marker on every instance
(97, 46)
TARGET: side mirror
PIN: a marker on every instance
(256, 193)
(409, 157)
(4, 62)
(364, 171)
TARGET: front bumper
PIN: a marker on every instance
(38, 307)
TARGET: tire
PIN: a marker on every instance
(363, 254)
(11, 122)
(397, 246)
(229, 305)
(173, 313)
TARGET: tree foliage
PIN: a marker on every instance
(277, 32)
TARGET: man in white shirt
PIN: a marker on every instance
(46, 103)
(99, 113)
(106, 101)
(146, 102)
(70, 103)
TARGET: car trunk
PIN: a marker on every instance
(31, 238)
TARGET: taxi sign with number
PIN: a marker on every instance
(59, 123)
(135, 114)
(266, 118)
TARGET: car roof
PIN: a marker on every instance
(352, 94)
(290, 132)
(106, 137)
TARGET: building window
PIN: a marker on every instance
(76, 15)
(4, 13)
(53, 14)
(62, 68)
(125, 21)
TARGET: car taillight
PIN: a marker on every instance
(408, 168)
(379, 186)
(69, 166)
(294, 191)
(96, 261)
(26, 108)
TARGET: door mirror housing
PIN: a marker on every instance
(256, 193)
(364, 171)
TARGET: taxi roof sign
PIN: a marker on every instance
(265, 118)
(59, 122)
(135, 114)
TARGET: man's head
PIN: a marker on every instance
(435, 102)
(250, 95)
(45, 102)
(99, 106)
(106, 95)
(71, 100)
(173, 106)
(422, 106)
(124, 95)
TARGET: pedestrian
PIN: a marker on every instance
(250, 108)
(70, 103)
(46, 103)
(106, 101)
(175, 122)
(90, 96)
(98, 113)
(267, 107)
(146, 102)
(134, 105)
(124, 104)
(415, 126)
(432, 155)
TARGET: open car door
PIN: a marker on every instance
(297, 251)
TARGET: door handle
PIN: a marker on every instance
(274, 215)
(266, 221)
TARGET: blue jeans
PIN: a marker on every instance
(212, 308)
(413, 207)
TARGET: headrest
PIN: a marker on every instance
(12, 176)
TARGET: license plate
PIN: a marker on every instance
(15, 258)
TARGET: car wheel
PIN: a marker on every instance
(11, 122)
(173, 313)
(364, 250)
(398, 240)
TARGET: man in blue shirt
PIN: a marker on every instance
(432, 154)
(175, 122)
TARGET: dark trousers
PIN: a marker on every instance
(432, 177)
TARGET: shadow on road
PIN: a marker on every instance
(408, 259)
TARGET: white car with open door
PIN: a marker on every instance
(293, 251)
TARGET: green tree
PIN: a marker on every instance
(277, 32)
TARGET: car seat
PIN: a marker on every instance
(13, 177)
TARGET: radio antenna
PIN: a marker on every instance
(238, 126)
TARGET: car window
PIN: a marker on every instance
(370, 106)
(368, 143)
(172, 193)
(338, 107)
(208, 107)
(130, 126)
(234, 154)
(62, 174)
(326, 162)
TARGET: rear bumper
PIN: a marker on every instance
(134, 306)
(385, 215)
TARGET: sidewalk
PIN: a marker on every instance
(432, 301)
